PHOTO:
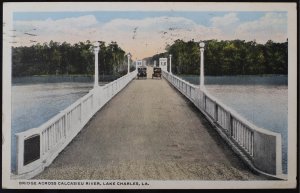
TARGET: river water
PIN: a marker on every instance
(261, 100)
(34, 104)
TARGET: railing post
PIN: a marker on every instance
(96, 50)
(67, 125)
(262, 149)
(60, 131)
(170, 68)
(201, 44)
(20, 153)
(128, 63)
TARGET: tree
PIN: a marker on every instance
(235, 57)
(56, 58)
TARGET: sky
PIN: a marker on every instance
(145, 33)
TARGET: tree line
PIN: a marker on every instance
(66, 59)
(230, 57)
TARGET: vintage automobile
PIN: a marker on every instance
(142, 72)
(156, 72)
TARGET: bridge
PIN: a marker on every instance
(162, 129)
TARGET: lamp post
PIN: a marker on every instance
(170, 70)
(202, 44)
(96, 51)
(128, 69)
(136, 61)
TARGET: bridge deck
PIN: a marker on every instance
(148, 131)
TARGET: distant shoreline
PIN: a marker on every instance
(61, 78)
(91, 75)
(239, 79)
(261, 75)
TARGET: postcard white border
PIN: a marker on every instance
(9, 8)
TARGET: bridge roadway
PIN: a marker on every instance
(148, 131)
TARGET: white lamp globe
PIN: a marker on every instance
(202, 44)
(96, 44)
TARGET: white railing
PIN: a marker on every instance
(37, 147)
(259, 148)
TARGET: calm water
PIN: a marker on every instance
(34, 104)
(261, 100)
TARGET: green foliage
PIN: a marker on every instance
(56, 58)
(234, 57)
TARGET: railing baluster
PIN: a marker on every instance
(60, 129)
(239, 132)
(246, 138)
(235, 129)
(216, 111)
(252, 143)
(52, 136)
(56, 132)
(243, 134)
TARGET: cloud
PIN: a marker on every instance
(150, 23)
(148, 36)
(153, 34)
(67, 29)
(224, 21)
(271, 26)
(155, 28)
(50, 25)
(142, 37)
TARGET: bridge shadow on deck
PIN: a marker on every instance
(148, 131)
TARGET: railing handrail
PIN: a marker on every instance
(228, 109)
(238, 116)
(263, 155)
(57, 116)
(59, 131)
(188, 83)
(69, 108)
